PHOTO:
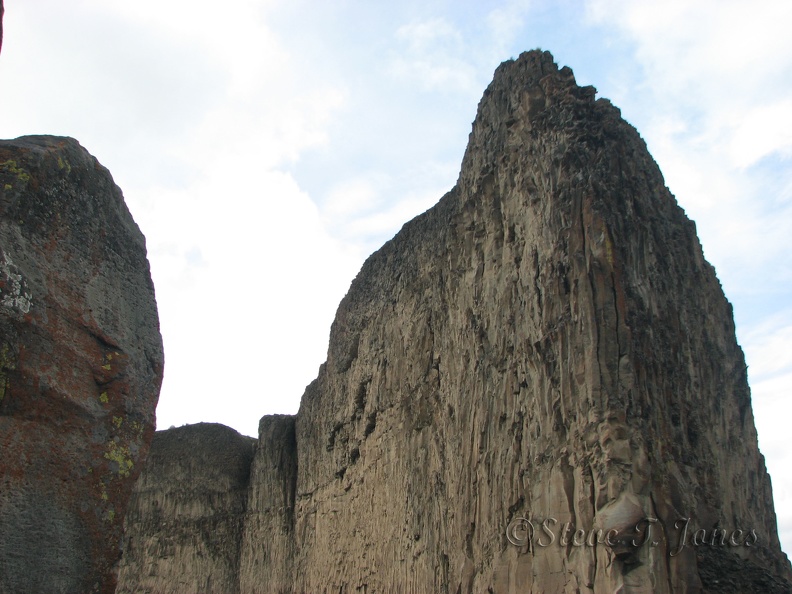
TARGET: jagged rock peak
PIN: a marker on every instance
(545, 347)
(525, 93)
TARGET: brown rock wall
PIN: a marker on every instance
(546, 342)
(187, 512)
(546, 345)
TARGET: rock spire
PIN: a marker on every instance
(535, 386)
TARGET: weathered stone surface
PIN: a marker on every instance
(212, 511)
(184, 525)
(546, 344)
(1, 24)
(80, 366)
(268, 540)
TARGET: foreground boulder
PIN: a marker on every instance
(81, 365)
(533, 387)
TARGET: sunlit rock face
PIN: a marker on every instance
(534, 387)
(80, 367)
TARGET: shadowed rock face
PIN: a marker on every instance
(80, 366)
(545, 347)
(196, 484)
(206, 511)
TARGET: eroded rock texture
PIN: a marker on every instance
(80, 367)
(548, 344)
(187, 512)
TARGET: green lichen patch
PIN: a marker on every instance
(121, 455)
(11, 167)
(137, 428)
(108, 357)
(64, 164)
(103, 491)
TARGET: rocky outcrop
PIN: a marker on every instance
(187, 512)
(80, 367)
(534, 387)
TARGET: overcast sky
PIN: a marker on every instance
(266, 148)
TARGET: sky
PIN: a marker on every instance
(266, 148)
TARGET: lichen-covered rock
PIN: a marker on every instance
(80, 366)
(534, 387)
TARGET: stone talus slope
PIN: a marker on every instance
(81, 364)
(546, 343)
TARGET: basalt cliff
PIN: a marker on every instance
(535, 386)
(81, 364)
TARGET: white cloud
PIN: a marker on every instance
(431, 56)
(196, 110)
(722, 62)
(504, 24)
(427, 36)
(353, 197)
(767, 346)
(243, 326)
(762, 131)
(367, 211)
